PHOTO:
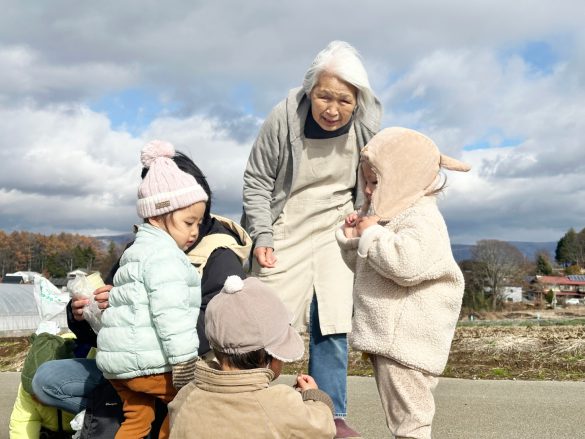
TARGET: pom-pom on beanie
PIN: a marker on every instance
(165, 188)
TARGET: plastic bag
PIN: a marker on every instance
(84, 286)
(50, 300)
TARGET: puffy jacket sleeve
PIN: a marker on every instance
(413, 253)
(260, 175)
(172, 308)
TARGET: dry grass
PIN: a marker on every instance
(517, 345)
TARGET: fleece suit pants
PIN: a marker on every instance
(406, 396)
(139, 396)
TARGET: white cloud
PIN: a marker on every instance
(454, 70)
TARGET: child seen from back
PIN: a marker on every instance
(148, 344)
(250, 332)
(408, 288)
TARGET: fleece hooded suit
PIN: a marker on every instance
(408, 287)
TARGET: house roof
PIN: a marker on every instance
(558, 280)
(577, 277)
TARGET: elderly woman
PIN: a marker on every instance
(300, 182)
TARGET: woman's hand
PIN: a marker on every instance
(102, 296)
(265, 257)
(77, 305)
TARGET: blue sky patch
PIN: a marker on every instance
(243, 94)
(130, 110)
(494, 139)
(540, 55)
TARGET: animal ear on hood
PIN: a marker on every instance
(453, 164)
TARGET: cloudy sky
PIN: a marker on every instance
(84, 85)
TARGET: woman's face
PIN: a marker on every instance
(332, 102)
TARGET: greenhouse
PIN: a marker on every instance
(21, 307)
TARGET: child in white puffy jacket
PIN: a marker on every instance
(408, 288)
(148, 344)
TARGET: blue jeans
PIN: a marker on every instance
(66, 384)
(328, 362)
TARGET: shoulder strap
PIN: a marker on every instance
(199, 255)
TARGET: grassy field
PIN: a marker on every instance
(544, 345)
(524, 345)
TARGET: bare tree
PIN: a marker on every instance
(497, 262)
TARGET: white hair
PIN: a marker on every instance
(342, 60)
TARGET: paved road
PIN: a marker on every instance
(466, 409)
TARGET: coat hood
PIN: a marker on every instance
(407, 165)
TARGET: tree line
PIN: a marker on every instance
(54, 255)
(495, 264)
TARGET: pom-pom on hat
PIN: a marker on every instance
(165, 187)
(247, 316)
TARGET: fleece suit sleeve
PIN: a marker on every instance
(411, 254)
(348, 248)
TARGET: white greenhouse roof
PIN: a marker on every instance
(17, 299)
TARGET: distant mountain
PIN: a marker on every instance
(120, 240)
(462, 252)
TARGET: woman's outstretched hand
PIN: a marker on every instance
(265, 257)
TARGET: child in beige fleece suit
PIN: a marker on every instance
(408, 288)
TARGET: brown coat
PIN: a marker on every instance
(227, 404)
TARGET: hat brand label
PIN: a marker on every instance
(162, 204)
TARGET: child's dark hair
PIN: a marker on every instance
(187, 165)
(250, 360)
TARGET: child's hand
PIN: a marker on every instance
(349, 225)
(365, 222)
(306, 382)
(349, 231)
(351, 219)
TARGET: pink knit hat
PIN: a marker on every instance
(165, 187)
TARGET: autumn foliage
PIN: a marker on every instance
(54, 255)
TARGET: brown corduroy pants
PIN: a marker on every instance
(139, 396)
(406, 396)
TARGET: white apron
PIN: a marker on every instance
(308, 257)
